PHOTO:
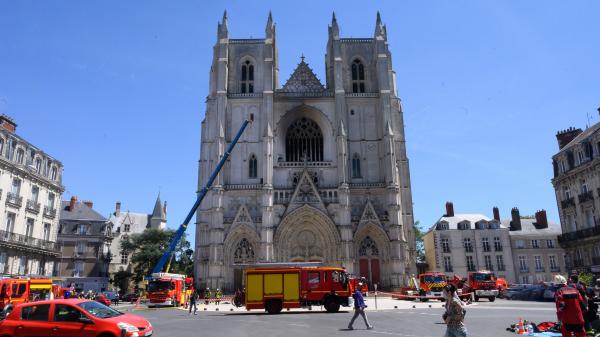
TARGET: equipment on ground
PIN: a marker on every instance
(278, 287)
(179, 233)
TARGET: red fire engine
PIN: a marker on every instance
(24, 289)
(481, 284)
(277, 287)
(168, 289)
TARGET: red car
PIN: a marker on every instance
(72, 318)
(103, 299)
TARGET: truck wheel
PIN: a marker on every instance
(331, 305)
(476, 298)
(492, 299)
(423, 293)
(273, 307)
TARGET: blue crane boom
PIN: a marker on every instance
(179, 233)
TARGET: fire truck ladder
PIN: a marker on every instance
(179, 233)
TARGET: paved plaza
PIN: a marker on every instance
(483, 319)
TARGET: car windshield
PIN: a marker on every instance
(99, 310)
(110, 294)
(434, 278)
(482, 277)
(159, 286)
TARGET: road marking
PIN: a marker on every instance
(301, 325)
(518, 308)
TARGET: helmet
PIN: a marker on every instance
(218, 289)
(559, 279)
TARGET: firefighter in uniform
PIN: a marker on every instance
(207, 296)
(218, 295)
(569, 308)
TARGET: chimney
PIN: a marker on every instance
(449, 209)
(496, 212)
(72, 203)
(88, 203)
(7, 123)
(566, 136)
(118, 208)
(515, 223)
(541, 220)
(165, 208)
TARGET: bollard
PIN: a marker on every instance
(231, 309)
(204, 309)
(414, 306)
(288, 309)
(395, 307)
(430, 305)
(217, 309)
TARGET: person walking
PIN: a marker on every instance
(193, 298)
(454, 316)
(569, 308)
(359, 308)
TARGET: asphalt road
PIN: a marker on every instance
(484, 320)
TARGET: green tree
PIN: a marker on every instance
(147, 248)
(420, 245)
(121, 280)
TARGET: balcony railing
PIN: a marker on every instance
(580, 234)
(568, 203)
(471, 268)
(14, 200)
(586, 196)
(32, 206)
(540, 269)
(445, 249)
(501, 267)
(524, 269)
(555, 269)
(448, 269)
(303, 164)
(49, 212)
(498, 248)
(27, 241)
(469, 249)
(486, 248)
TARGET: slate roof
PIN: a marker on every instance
(159, 211)
(453, 221)
(303, 79)
(581, 137)
(527, 228)
(139, 221)
(81, 212)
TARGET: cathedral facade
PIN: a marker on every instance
(321, 174)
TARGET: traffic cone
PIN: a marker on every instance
(521, 329)
(137, 304)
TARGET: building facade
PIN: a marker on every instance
(129, 223)
(536, 254)
(577, 186)
(320, 175)
(30, 190)
(461, 243)
(84, 237)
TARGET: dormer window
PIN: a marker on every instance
(442, 226)
(358, 77)
(481, 225)
(247, 80)
(20, 156)
(464, 226)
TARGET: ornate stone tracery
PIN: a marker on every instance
(368, 247)
(244, 252)
(304, 141)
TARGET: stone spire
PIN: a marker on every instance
(270, 25)
(222, 27)
(158, 218)
(334, 28)
(379, 29)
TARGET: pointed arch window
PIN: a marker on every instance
(358, 76)
(368, 247)
(247, 78)
(244, 252)
(252, 167)
(304, 141)
(356, 166)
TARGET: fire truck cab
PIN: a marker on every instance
(431, 284)
(276, 288)
(167, 289)
(25, 289)
(482, 284)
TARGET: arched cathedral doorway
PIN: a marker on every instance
(369, 260)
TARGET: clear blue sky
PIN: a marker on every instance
(116, 90)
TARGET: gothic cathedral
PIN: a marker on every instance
(320, 175)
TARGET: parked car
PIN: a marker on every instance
(514, 292)
(549, 292)
(112, 296)
(130, 297)
(72, 317)
(102, 299)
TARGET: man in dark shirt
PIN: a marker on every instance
(359, 308)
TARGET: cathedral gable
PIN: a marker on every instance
(242, 218)
(306, 193)
(369, 215)
(303, 80)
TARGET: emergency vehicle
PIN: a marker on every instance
(481, 284)
(168, 289)
(432, 284)
(278, 287)
(24, 289)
